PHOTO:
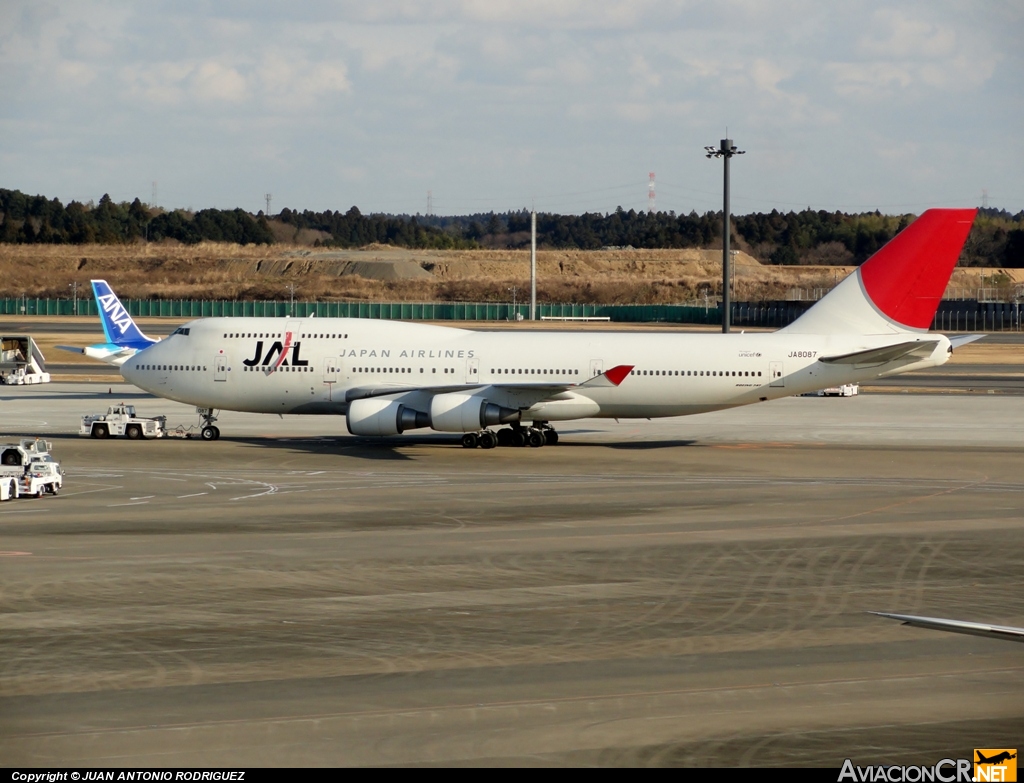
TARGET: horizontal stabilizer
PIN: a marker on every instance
(959, 626)
(890, 353)
(964, 339)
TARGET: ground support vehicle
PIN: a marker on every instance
(25, 451)
(21, 361)
(38, 478)
(121, 420)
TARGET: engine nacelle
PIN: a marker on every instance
(467, 413)
(375, 416)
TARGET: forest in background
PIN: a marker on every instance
(808, 237)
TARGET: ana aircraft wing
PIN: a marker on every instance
(890, 353)
(1006, 632)
(608, 379)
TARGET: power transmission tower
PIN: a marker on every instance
(650, 193)
(430, 203)
(984, 198)
(268, 197)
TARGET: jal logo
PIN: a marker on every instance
(995, 764)
(276, 355)
(115, 311)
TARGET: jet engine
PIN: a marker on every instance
(467, 413)
(375, 416)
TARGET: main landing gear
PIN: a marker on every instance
(540, 434)
(209, 430)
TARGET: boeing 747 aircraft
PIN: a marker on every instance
(388, 377)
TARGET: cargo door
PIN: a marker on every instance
(775, 374)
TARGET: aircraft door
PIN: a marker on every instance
(596, 367)
(472, 371)
(220, 368)
(775, 374)
(330, 375)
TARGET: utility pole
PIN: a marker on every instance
(725, 151)
(533, 265)
(74, 294)
(291, 299)
(267, 197)
(515, 305)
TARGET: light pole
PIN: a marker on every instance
(515, 311)
(725, 151)
(74, 294)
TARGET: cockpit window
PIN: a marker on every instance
(182, 330)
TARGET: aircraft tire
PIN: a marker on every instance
(504, 436)
(551, 437)
(209, 433)
(535, 439)
(216, 432)
(470, 440)
(518, 437)
(488, 439)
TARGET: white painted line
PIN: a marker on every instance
(197, 494)
(165, 478)
(210, 485)
(24, 511)
(143, 497)
(118, 505)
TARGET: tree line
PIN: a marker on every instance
(805, 237)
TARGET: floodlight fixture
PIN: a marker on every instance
(725, 150)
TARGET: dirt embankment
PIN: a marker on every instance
(223, 271)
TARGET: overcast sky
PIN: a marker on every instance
(497, 105)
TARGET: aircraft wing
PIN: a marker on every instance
(609, 379)
(1006, 632)
(890, 353)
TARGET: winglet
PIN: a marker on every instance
(612, 377)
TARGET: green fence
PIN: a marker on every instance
(401, 311)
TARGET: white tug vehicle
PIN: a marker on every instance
(121, 420)
(28, 469)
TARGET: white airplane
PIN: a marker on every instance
(124, 338)
(388, 377)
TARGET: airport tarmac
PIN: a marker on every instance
(678, 592)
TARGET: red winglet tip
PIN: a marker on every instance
(617, 374)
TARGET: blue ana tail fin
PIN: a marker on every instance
(118, 326)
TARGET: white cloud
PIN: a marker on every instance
(215, 81)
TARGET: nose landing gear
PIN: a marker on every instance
(209, 430)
